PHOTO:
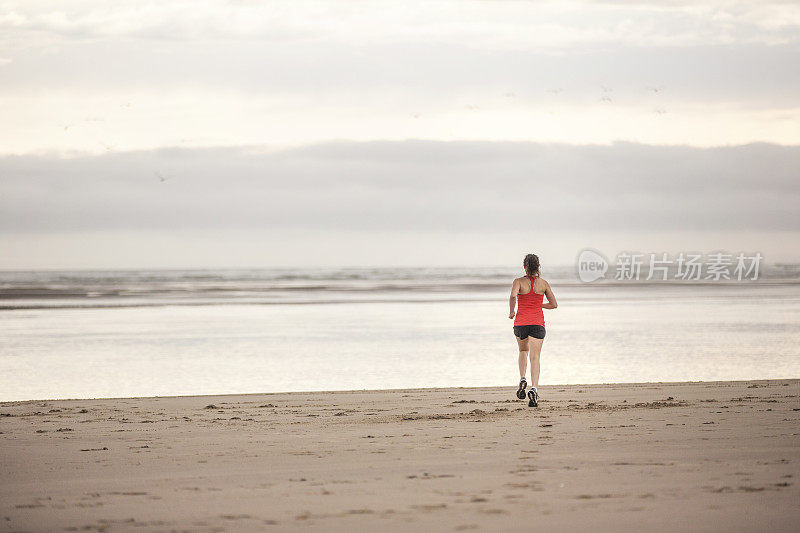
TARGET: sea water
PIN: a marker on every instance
(148, 333)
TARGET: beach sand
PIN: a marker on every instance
(674, 456)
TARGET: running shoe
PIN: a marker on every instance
(533, 398)
(521, 391)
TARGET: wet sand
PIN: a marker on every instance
(678, 456)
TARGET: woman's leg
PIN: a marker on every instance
(523, 355)
(536, 351)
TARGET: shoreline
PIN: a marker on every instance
(418, 389)
(691, 456)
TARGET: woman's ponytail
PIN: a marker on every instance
(531, 264)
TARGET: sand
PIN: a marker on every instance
(677, 456)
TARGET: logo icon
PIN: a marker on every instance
(591, 266)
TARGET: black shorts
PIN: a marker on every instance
(535, 331)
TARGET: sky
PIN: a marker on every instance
(178, 134)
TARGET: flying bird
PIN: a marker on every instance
(161, 177)
(106, 146)
(510, 95)
(655, 89)
(606, 99)
(606, 89)
(555, 91)
(661, 111)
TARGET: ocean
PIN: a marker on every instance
(91, 334)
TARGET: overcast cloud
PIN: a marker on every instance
(88, 75)
(412, 185)
(426, 132)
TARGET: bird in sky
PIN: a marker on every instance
(161, 177)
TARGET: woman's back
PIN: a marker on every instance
(529, 305)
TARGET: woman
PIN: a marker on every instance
(529, 322)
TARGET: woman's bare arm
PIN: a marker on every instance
(551, 298)
(512, 300)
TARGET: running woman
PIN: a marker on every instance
(530, 290)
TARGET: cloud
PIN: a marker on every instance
(234, 94)
(485, 25)
(239, 73)
(506, 82)
(458, 187)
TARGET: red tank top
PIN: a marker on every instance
(529, 308)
